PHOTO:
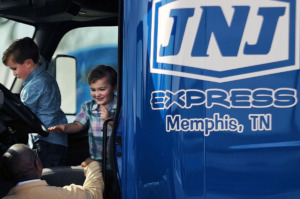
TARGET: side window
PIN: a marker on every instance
(90, 46)
(10, 31)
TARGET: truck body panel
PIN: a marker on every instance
(203, 115)
(207, 92)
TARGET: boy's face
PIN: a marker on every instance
(21, 71)
(102, 91)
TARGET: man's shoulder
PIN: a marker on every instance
(28, 188)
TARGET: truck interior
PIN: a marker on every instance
(52, 20)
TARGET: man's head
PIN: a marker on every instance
(103, 84)
(22, 163)
(22, 57)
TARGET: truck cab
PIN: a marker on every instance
(73, 37)
(208, 95)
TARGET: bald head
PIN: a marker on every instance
(21, 163)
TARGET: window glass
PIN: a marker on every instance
(10, 31)
(91, 46)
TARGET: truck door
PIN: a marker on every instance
(210, 99)
(162, 157)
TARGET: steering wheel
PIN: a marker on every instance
(18, 117)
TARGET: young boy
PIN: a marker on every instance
(41, 94)
(103, 84)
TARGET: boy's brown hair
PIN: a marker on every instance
(20, 50)
(101, 71)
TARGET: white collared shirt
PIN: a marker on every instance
(28, 181)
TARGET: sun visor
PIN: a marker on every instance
(9, 4)
(4, 4)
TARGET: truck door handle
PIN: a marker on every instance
(104, 149)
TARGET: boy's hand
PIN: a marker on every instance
(57, 129)
(104, 113)
(87, 162)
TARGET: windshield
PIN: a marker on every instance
(100, 47)
(10, 31)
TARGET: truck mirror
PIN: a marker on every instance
(65, 67)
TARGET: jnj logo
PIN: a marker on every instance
(221, 41)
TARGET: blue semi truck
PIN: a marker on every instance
(207, 91)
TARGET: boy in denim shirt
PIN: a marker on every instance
(103, 84)
(41, 94)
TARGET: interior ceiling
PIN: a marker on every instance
(43, 11)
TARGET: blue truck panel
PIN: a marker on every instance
(210, 99)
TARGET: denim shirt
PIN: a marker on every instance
(41, 94)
